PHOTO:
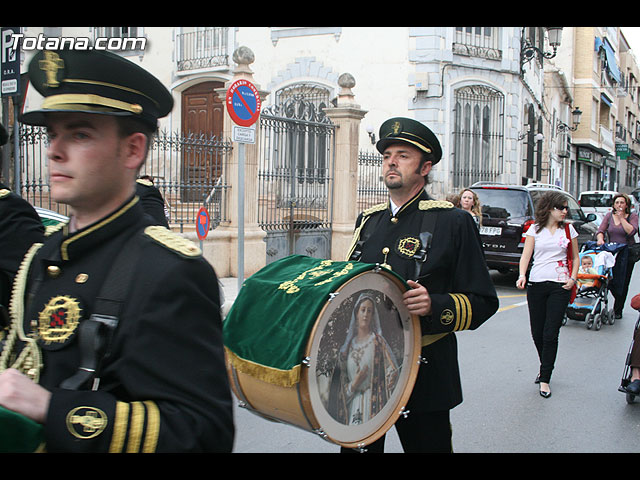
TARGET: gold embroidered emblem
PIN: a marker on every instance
(50, 66)
(407, 246)
(86, 422)
(396, 127)
(59, 319)
(434, 204)
(446, 317)
(315, 273)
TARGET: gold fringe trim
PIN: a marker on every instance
(275, 376)
(29, 362)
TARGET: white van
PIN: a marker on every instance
(597, 201)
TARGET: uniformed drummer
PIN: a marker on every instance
(436, 248)
(20, 227)
(117, 318)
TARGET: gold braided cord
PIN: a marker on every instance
(29, 361)
(275, 376)
(153, 427)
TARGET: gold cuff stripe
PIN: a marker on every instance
(60, 101)
(153, 427)
(119, 427)
(135, 431)
(463, 311)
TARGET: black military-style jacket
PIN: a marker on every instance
(454, 273)
(20, 227)
(163, 385)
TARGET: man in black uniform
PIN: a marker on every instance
(436, 248)
(20, 227)
(116, 341)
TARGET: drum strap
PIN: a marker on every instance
(96, 333)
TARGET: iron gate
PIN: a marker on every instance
(295, 179)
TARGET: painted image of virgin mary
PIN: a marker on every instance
(366, 370)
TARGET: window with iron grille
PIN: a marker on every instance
(481, 42)
(478, 135)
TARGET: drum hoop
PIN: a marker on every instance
(303, 387)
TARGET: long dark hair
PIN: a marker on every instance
(548, 202)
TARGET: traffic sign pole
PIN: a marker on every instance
(243, 105)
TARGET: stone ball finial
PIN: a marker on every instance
(243, 56)
(346, 80)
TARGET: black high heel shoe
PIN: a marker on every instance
(545, 394)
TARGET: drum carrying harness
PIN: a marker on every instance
(96, 333)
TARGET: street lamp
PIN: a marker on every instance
(528, 50)
(563, 127)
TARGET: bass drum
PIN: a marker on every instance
(325, 346)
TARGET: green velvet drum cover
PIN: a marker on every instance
(19, 434)
(269, 324)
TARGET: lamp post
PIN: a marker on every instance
(528, 51)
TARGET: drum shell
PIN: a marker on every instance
(299, 404)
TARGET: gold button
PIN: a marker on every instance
(82, 278)
(394, 220)
(53, 271)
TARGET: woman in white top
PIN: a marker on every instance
(550, 281)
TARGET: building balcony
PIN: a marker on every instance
(203, 49)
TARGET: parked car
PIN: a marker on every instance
(597, 201)
(507, 214)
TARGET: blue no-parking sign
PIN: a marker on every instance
(202, 223)
(243, 103)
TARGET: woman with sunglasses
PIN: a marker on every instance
(550, 281)
(621, 226)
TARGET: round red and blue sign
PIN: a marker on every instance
(243, 103)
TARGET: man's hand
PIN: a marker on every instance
(20, 394)
(417, 299)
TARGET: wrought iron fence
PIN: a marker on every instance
(189, 170)
(371, 188)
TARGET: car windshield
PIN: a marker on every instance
(596, 199)
(575, 212)
(503, 203)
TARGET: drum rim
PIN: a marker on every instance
(416, 347)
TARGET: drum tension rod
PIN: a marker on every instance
(421, 359)
(360, 448)
(306, 361)
(404, 413)
(333, 295)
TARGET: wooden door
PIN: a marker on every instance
(202, 117)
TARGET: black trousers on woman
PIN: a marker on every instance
(620, 298)
(548, 302)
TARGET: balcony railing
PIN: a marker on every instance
(202, 49)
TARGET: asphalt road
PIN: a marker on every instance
(502, 411)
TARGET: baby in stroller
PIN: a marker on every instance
(591, 302)
(587, 275)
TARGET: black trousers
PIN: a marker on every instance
(419, 432)
(618, 304)
(548, 302)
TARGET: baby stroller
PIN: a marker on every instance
(591, 304)
(626, 375)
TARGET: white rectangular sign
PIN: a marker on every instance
(244, 134)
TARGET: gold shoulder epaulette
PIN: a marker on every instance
(51, 229)
(434, 205)
(376, 208)
(172, 241)
(144, 181)
(4, 192)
